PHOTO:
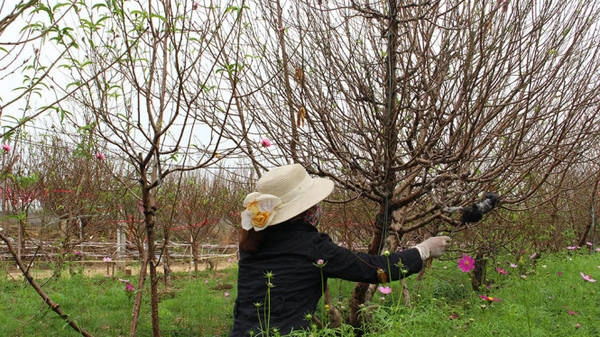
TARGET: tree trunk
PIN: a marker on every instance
(150, 219)
(195, 254)
(139, 293)
(360, 290)
(590, 228)
(166, 257)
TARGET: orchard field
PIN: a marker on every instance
(131, 131)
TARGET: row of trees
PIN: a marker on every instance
(410, 108)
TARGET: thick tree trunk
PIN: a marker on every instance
(150, 228)
(360, 290)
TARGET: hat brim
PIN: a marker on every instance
(321, 188)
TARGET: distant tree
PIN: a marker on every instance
(206, 208)
(78, 184)
(20, 191)
(421, 106)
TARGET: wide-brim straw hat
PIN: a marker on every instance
(281, 194)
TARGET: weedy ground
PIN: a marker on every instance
(552, 296)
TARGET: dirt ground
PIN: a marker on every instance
(114, 268)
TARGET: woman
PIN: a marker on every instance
(284, 259)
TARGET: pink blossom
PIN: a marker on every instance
(265, 142)
(572, 247)
(559, 273)
(490, 298)
(571, 312)
(513, 265)
(466, 263)
(100, 156)
(6, 147)
(385, 290)
(586, 277)
(129, 287)
(577, 326)
(501, 271)
(107, 259)
(226, 294)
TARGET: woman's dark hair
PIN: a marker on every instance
(251, 240)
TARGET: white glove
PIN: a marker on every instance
(433, 247)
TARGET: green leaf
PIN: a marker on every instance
(162, 18)
(44, 8)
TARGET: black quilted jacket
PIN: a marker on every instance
(289, 252)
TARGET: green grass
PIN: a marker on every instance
(100, 305)
(551, 300)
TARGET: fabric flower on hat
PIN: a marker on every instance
(259, 211)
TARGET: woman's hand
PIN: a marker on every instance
(433, 247)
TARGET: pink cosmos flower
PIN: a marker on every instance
(571, 312)
(513, 265)
(586, 277)
(6, 147)
(501, 271)
(572, 247)
(490, 298)
(265, 142)
(129, 287)
(385, 290)
(466, 263)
